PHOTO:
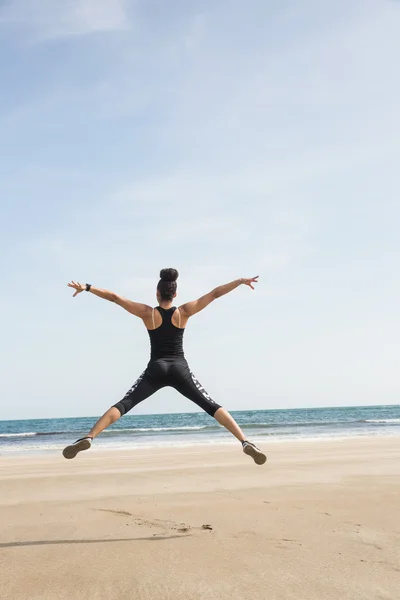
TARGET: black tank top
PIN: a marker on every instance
(166, 341)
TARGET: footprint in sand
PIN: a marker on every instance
(158, 523)
(124, 513)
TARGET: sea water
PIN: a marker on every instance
(182, 429)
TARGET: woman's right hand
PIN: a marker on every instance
(78, 287)
(250, 281)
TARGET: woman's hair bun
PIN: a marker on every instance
(169, 274)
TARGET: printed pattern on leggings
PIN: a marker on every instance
(133, 388)
(200, 388)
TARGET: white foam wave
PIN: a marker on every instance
(147, 429)
(382, 421)
(8, 435)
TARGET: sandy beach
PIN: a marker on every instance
(321, 520)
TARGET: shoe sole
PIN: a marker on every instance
(258, 457)
(72, 451)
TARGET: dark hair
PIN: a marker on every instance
(167, 284)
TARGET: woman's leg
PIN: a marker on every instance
(186, 383)
(225, 419)
(141, 389)
(105, 421)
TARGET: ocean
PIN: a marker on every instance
(183, 429)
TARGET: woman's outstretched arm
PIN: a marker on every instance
(135, 308)
(191, 308)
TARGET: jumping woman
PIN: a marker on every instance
(167, 366)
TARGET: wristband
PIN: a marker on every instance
(88, 286)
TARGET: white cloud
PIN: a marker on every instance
(51, 19)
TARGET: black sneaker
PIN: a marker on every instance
(255, 453)
(82, 444)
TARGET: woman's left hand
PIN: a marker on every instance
(78, 287)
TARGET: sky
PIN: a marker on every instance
(223, 138)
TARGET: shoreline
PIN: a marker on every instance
(228, 448)
(263, 442)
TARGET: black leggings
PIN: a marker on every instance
(167, 372)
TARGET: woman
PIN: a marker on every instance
(167, 367)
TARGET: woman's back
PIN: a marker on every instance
(166, 340)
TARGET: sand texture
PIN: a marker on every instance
(319, 521)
